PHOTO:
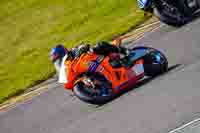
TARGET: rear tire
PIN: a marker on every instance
(154, 65)
(180, 15)
(152, 68)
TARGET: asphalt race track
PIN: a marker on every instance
(157, 106)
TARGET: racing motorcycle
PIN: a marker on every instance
(172, 12)
(97, 79)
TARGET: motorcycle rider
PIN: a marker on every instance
(102, 48)
(59, 53)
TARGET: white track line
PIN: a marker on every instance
(136, 30)
(146, 26)
(147, 34)
(183, 126)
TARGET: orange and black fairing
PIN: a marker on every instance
(120, 77)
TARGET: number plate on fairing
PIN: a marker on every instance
(138, 69)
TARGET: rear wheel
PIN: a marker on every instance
(93, 90)
(155, 63)
(176, 13)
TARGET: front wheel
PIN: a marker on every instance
(93, 91)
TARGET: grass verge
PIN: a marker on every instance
(29, 29)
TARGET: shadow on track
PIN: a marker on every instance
(149, 79)
(143, 82)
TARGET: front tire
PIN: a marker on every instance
(84, 93)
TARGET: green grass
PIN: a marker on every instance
(30, 28)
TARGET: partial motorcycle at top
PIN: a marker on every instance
(172, 12)
(97, 79)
